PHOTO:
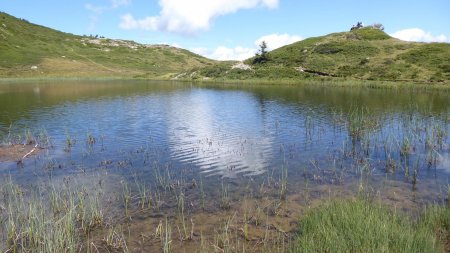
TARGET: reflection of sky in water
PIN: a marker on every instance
(444, 162)
(221, 132)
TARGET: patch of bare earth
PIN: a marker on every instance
(17, 152)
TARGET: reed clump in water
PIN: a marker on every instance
(46, 219)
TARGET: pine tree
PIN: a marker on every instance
(261, 56)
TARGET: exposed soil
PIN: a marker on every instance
(17, 152)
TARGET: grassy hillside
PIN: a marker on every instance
(29, 50)
(367, 53)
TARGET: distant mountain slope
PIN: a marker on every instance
(31, 50)
(366, 53)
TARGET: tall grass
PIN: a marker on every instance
(363, 226)
(30, 224)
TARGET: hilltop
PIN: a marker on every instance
(29, 50)
(366, 53)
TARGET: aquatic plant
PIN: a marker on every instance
(31, 225)
(283, 182)
(225, 202)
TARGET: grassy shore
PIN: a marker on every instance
(55, 219)
(317, 81)
(364, 226)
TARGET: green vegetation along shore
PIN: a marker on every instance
(367, 226)
(33, 51)
(355, 225)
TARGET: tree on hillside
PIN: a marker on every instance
(261, 56)
(357, 26)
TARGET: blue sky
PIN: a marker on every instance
(232, 29)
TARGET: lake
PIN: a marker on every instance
(221, 149)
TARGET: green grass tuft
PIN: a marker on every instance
(370, 33)
(363, 226)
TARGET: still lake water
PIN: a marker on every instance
(231, 132)
(239, 164)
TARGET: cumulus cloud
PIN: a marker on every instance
(417, 34)
(129, 22)
(239, 53)
(222, 53)
(276, 40)
(190, 17)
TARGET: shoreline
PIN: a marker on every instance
(334, 82)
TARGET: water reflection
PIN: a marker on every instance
(221, 133)
(225, 130)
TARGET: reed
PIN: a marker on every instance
(167, 238)
(126, 196)
(114, 241)
(225, 201)
(31, 225)
(283, 183)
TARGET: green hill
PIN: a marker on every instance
(29, 50)
(367, 53)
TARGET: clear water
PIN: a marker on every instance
(228, 131)
(245, 155)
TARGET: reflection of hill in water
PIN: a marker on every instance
(224, 130)
(346, 98)
(222, 133)
(16, 98)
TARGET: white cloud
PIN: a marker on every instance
(201, 51)
(239, 53)
(276, 40)
(129, 22)
(190, 17)
(417, 34)
(222, 53)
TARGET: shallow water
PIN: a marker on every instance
(220, 130)
(332, 141)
